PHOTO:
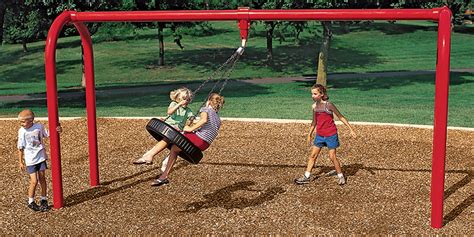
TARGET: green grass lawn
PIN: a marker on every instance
(394, 100)
(378, 47)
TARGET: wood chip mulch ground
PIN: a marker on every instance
(244, 184)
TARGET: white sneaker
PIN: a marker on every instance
(164, 163)
(341, 180)
(302, 180)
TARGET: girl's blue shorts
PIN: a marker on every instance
(35, 168)
(332, 142)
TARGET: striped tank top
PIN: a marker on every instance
(208, 132)
(325, 125)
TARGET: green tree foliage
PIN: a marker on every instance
(29, 20)
(457, 7)
(25, 21)
(3, 9)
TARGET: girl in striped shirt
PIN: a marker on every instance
(201, 134)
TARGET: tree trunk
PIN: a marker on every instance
(83, 81)
(141, 5)
(324, 54)
(23, 43)
(3, 8)
(345, 26)
(161, 56)
(270, 28)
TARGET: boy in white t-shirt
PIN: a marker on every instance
(32, 156)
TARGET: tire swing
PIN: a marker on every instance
(161, 130)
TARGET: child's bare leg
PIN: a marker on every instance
(312, 159)
(161, 145)
(335, 161)
(164, 163)
(32, 187)
(172, 158)
(337, 166)
(42, 181)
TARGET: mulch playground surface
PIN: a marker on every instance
(244, 184)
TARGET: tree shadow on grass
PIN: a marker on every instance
(31, 74)
(150, 96)
(464, 29)
(97, 38)
(291, 59)
(397, 28)
(367, 82)
(18, 56)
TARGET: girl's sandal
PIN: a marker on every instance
(159, 182)
(142, 161)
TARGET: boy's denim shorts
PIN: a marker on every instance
(35, 168)
(332, 142)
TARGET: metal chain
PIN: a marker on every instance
(225, 74)
(217, 71)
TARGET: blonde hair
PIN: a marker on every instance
(26, 114)
(216, 101)
(181, 94)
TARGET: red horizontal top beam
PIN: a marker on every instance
(252, 15)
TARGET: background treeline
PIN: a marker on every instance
(23, 21)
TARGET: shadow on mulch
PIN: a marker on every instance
(223, 197)
(102, 190)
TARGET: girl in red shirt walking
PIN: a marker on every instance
(326, 132)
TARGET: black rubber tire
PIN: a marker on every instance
(159, 130)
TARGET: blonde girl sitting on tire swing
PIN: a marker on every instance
(178, 114)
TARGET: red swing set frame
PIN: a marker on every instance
(243, 16)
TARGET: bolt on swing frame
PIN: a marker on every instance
(244, 16)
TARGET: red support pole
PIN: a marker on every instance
(440, 118)
(90, 103)
(52, 101)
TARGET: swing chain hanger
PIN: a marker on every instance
(244, 27)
